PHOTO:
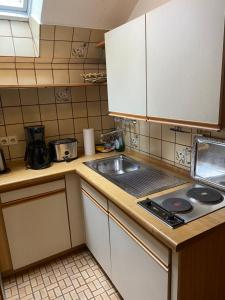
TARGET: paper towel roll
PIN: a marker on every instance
(89, 141)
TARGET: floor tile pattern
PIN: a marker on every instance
(77, 276)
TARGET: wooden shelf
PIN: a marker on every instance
(48, 85)
(101, 45)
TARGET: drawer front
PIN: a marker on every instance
(160, 251)
(33, 191)
(95, 194)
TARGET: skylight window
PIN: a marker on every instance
(13, 5)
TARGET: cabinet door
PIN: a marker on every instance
(126, 68)
(37, 229)
(184, 60)
(97, 232)
(135, 273)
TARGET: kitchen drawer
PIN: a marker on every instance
(33, 191)
(160, 251)
(95, 194)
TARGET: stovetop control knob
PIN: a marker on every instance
(171, 218)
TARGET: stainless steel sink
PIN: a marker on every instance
(135, 178)
(114, 165)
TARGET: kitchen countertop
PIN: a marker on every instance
(175, 239)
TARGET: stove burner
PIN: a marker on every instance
(176, 205)
(205, 195)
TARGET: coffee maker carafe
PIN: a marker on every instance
(37, 154)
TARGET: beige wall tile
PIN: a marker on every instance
(2, 131)
(95, 122)
(167, 134)
(62, 49)
(13, 115)
(48, 112)
(17, 151)
(168, 151)
(63, 33)
(104, 107)
(80, 139)
(144, 128)
(80, 124)
(78, 94)
(92, 93)
(94, 52)
(183, 155)
(10, 97)
(46, 95)
(51, 128)
(79, 110)
(26, 77)
(28, 96)
(24, 47)
(155, 130)
(135, 127)
(6, 46)
(61, 76)
(75, 76)
(47, 32)
(94, 108)
(46, 49)
(31, 113)
(79, 50)
(156, 147)
(81, 34)
(2, 122)
(97, 35)
(8, 77)
(103, 92)
(44, 77)
(64, 111)
(5, 29)
(183, 138)
(17, 130)
(107, 122)
(144, 144)
(21, 29)
(66, 126)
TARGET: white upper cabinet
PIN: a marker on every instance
(126, 68)
(184, 61)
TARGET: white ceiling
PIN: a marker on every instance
(99, 14)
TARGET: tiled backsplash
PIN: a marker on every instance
(160, 142)
(61, 44)
(18, 38)
(63, 111)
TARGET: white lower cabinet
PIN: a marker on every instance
(97, 231)
(37, 228)
(135, 273)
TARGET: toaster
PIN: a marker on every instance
(63, 150)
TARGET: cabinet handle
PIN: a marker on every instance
(143, 246)
(95, 202)
(32, 198)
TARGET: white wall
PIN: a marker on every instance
(99, 14)
(36, 10)
(143, 6)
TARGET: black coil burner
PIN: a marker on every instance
(176, 205)
(205, 195)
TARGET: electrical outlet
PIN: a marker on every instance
(12, 140)
(4, 141)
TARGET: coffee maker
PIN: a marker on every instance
(37, 154)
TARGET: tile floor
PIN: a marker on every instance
(76, 276)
